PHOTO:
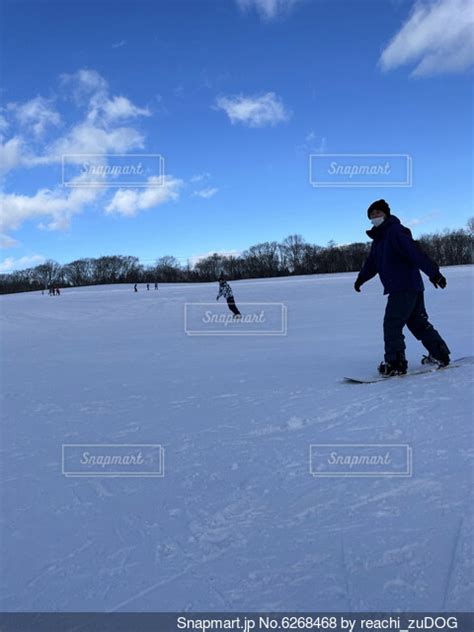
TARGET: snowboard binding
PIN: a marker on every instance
(440, 359)
(398, 367)
(389, 369)
(431, 360)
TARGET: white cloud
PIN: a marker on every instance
(10, 264)
(3, 125)
(89, 87)
(119, 44)
(424, 219)
(254, 111)
(206, 193)
(95, 132)
(199, 177)
(121, 108)
(84, 83)
(129, 202)
(438, 38)
(313, 144)
(268, 9)
(56, 206)
(85, 138)
(35, 115)
(10, 154)
(7, 242)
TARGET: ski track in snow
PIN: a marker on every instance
(237, 522)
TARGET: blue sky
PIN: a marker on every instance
(235, 94)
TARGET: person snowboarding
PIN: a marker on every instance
(226, 291)
(398, 259)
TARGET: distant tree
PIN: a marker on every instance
(209, 268)
(79, 272)
(130, 269)
(293, 249)
(262, 260)
(312, 259)
(48, 273)
(233, 267)
(356, 255)
(168, 269)
(470, 225)
(292, 256)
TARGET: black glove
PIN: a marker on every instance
(357, 285)
(439, 281)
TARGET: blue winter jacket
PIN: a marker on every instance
(397, 258)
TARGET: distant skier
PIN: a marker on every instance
(156, 286)
(135, 288)
(147, 286)
(398, 259)
(226, 291)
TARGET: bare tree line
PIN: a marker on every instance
(268, 259)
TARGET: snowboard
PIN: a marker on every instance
(426, 369)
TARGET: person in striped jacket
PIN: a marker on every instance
(226, 291)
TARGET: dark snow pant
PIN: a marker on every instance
(408, 308)
(232, 306)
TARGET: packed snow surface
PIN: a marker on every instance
(238, 521)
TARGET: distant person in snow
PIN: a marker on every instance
(135, 289)
(156, 286)
(398, 259)
(226, 291)
(58, 293)
(147, 286)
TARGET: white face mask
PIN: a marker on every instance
(376, 221)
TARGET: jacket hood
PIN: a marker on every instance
(377, 231)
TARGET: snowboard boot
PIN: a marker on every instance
(389, 368)
(440, 358)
